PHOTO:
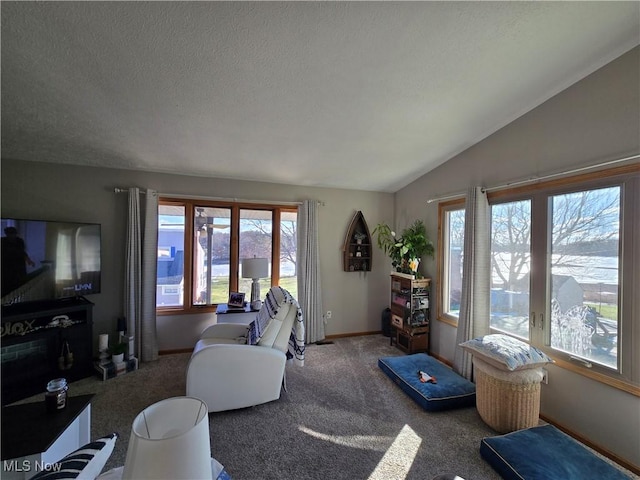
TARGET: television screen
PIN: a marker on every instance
(44, 260)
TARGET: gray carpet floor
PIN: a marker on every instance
(341, 418)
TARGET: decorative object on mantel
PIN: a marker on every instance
(103, 348)
(407, 250)
(117, 352)
(357, 246)
(65, 360)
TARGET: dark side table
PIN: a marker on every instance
(34, 438)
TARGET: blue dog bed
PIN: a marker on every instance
(450, 391)
(542, 453)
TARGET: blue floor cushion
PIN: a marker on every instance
(543, 453)
(450, 390)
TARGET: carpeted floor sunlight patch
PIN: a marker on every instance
(446, 390)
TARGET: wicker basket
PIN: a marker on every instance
(506, 404)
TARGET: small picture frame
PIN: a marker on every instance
(236, 299)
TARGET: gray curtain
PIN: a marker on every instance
(140, 274)
(308, 260)
(476, 277)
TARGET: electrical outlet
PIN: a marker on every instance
(545, 376)
(328, 315)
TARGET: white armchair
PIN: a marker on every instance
(227, 374)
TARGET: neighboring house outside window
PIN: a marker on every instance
(201, 245)
(563, 259)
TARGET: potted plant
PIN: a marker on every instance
(359, 237)
(405, 252)
(117, 352)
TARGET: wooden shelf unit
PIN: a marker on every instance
(357, 252)
(410, 312)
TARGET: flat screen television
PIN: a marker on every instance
(47, 260)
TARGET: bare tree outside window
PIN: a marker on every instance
(288, 251)
(510, 267)
(582, 268)
(256, 240)
(584, 265)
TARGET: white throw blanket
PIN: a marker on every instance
(275, 299)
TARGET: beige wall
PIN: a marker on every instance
(595, 120)
(61, 192)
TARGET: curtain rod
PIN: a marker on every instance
(226, 199)
(537, 179)
(126, 190)
(222, 199)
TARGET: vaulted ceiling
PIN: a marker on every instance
(359, 95)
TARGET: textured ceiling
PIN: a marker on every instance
(359, 95)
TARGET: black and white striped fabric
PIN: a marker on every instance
(272, 303)
(276, 297)
(296, 339)
(86, 463)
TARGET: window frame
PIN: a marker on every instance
(442, 286)
(189, 205)
(627, 377)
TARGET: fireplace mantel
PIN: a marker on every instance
(42, 341)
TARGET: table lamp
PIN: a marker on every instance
(255, 268)
(170, 439)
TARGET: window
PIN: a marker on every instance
(451, 215)
(170, 269)
(211, 254)
(564, 257)
(201, 245)
(256, 240)
(510, 267)
(288, 250)
(585, 274)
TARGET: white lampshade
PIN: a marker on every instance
(170, 439)
(255, 267)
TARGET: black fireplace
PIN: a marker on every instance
(42, 341)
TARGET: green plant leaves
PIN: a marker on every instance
(413, 243)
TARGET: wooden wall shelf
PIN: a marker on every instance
(358, 248)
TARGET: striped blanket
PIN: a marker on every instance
(275, 299)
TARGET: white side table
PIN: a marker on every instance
(217, 471)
